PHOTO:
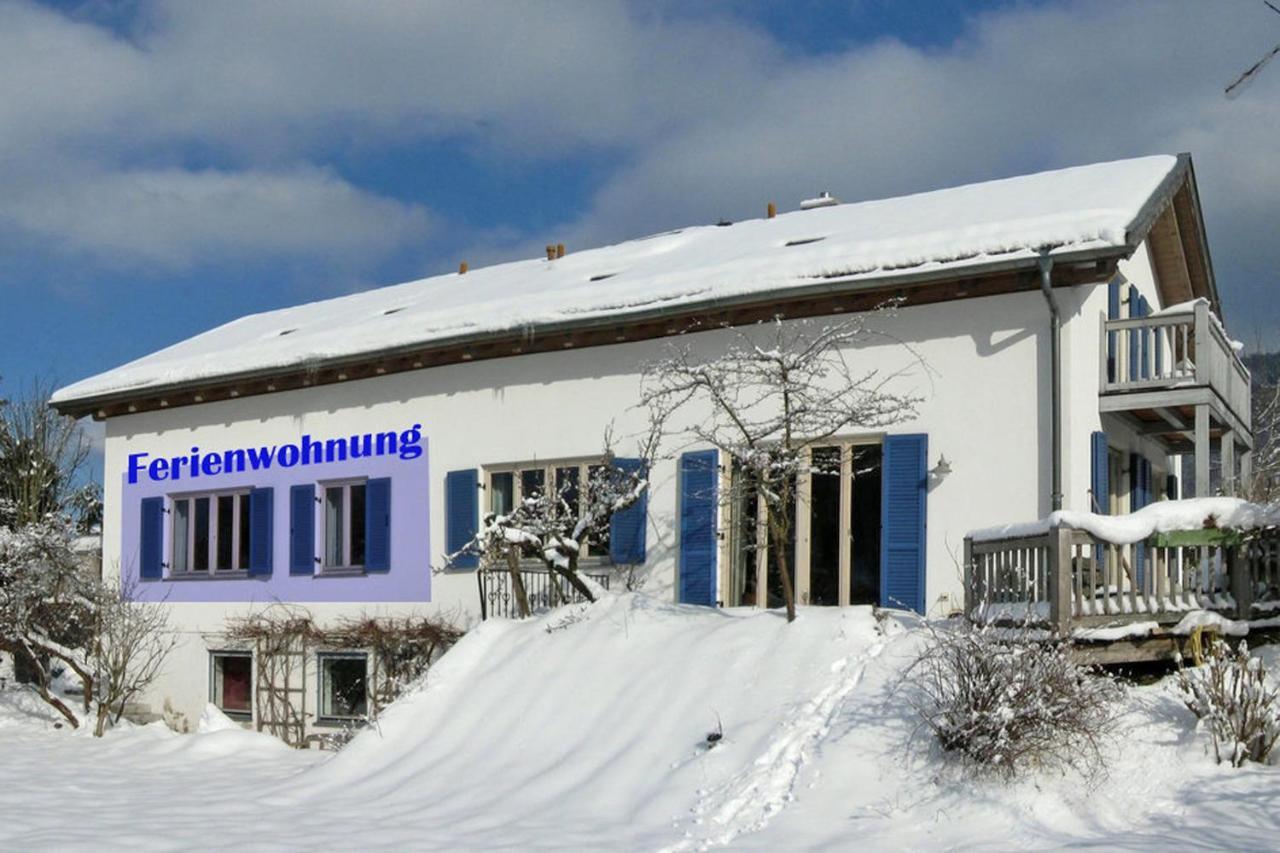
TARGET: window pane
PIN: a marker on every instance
(333, 526)
(357, 525)
(242, 504)
(824, 527)
(864, 525)
(532, 481)
(201, 557)
(742, 566)
(232, 682)
(502, 493)
(342, 687)
(567, 487)
(596, 479)
(226, 530)
(181, 535)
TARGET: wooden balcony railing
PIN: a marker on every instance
(1171, 351)
(1068, 579)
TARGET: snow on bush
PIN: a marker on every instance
(1010, 703)
(1230, 696)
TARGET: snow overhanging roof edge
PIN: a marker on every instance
(1136, 232)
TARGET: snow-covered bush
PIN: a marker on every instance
(1230, 696)
(1009, 702)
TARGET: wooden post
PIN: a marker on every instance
(1227, 443)
(1202, 450)
(970, 579)
(1060, 584)
(1241, 578)
(1203, 345)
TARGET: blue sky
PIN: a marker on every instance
(167, 167)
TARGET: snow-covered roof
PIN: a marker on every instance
(1075, 211)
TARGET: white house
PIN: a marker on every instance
(1062, 329)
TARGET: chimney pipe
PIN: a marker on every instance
(559, 250)
(771, 210)
(462, 268)
(551, 251)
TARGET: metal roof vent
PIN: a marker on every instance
(824, 199)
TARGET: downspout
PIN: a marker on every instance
(1055, 396)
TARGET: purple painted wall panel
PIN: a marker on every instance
(409, 579)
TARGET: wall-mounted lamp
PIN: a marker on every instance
(942, 469)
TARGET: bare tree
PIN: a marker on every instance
(47, 607)
(775, 392)
(1264, 484)
(131, 641)
(42, 455)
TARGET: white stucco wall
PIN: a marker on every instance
(981, 366)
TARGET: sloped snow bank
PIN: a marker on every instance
(586, 729)
(1160, 517)
(595, 720)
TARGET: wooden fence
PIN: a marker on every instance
(1067, 578)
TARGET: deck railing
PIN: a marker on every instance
(1067, 578)
(1163, 351)
(543, 590)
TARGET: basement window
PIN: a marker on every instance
(231, 683)
(602, 276)
(804, 241)
(344, 691)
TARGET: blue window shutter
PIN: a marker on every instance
(261, 528)
(699, 473)
(1134, 311)
(627, 527)
(1101, 479)
(1113, 313)
(377, 525)
(903, 521)
(302, 529)
(462, 514)
(151, 540)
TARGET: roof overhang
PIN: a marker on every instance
(824, 296)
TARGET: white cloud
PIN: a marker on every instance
(176, 217)
(708, 116)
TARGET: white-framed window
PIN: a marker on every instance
(344, 686)
(210, 532)
(231, 682)
(343, 524)
(508, 485)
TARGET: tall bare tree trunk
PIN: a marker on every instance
(517, 581)
(778, 539)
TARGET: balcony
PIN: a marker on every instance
(1176, 377)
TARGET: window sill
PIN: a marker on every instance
(238, 574)
(341, 722)
(356, 572)
(237, 716)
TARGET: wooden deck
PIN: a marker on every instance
(1120, 602)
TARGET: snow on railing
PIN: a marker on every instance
(1157, 564)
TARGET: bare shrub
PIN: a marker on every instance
(283, 637)
(1011, 702)
(131, 642)
(1230, 696)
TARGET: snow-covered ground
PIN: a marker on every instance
(586, 729)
